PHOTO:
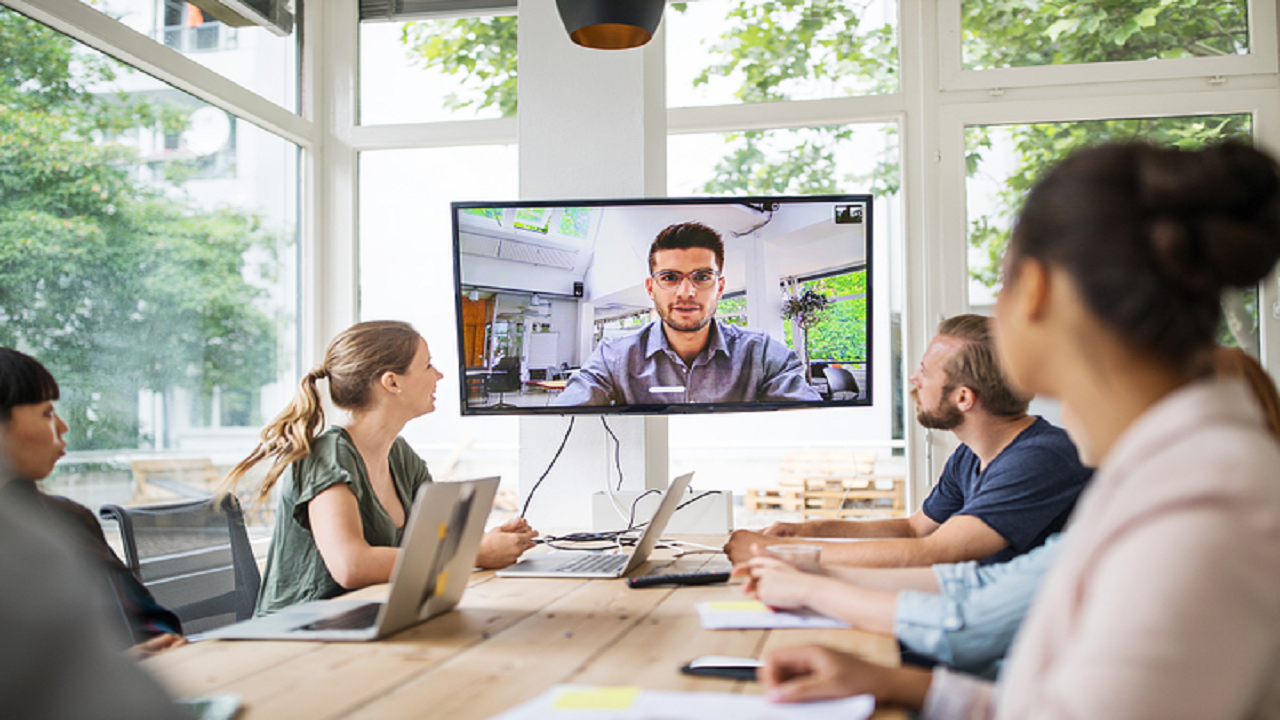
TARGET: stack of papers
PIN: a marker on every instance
(755, 615)
(588, 702)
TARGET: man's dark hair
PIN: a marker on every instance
(688, 235)
(975, 366)
(23, 381)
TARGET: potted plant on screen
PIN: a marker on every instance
(804, 309)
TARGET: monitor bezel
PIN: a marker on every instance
(866, 199)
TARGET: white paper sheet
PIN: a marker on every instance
(755, 615)
(589, 702)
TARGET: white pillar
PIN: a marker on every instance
(592, 125)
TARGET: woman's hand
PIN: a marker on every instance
(505, 544)
(813, 672)
(776, 583)
(157, 644)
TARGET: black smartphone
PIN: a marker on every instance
(733, 668)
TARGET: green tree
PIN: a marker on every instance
(114, 284)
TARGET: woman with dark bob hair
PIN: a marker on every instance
(1164, 601)
(30, 445)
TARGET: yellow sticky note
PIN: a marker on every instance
(600, 698)
(740, 606)
(442, 583)
(442, 530)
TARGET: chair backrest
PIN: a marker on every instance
(194, 556)
(842, 381)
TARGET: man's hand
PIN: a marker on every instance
(505, 544)
(739, 546)
(785, 529)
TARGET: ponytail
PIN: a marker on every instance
(287, 438)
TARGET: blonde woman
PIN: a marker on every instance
(344, 502)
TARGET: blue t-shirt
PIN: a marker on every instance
(1025, 494)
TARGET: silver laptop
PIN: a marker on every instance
(441, 539)
(597, 564)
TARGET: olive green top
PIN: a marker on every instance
(295, 571)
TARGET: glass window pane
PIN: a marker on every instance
(807, 161)
(1000, 34)
(744, 51)
(251, 56)
(430, 70)
(1005, 161)
(147, 257)
(406, 238)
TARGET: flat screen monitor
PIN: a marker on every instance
(673, 305)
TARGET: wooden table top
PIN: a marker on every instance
(507, 641)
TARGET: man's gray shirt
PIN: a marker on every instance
(641, 368)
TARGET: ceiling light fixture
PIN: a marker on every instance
(611, 24)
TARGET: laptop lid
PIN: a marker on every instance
(553, 563)
(671, 500)
(437, 554)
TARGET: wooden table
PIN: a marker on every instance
(507, 641)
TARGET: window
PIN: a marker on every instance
(437, 69)
(159, 293)
(1006, 160)
(251, 56)
(406, 242)
(1052, 32)
(747, 51)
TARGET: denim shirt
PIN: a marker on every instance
(641, 368)
(971, 624)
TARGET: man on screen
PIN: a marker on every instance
(687, 356)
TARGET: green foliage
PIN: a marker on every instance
(481, 50)
(1040, 145)
(114, 285)
(1019, 33)
(775, 45)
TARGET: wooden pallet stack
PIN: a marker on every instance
(832, 484)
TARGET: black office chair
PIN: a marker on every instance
(194, 556)
(841, 384)
(508, 380)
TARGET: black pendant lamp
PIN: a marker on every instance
(610, 24)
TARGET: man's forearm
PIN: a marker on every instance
(891, 528)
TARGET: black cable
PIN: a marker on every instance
(525, 510)
(632, 519)
(617, 450)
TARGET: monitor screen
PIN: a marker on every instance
(666, 305)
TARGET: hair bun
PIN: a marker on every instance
(1217, 215)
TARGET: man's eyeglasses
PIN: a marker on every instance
(671, 279)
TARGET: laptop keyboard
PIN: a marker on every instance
(357, 618)
(600, 563)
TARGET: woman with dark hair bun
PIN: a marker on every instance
(1164, 601)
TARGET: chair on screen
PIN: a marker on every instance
(841, 384)
(194, 557)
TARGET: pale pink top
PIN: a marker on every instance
(1165, 600)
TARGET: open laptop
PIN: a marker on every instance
(597, 564)
(441, 539)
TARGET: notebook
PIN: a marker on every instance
(441, 539)
(596, 564)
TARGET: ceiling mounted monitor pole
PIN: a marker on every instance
(610, 24)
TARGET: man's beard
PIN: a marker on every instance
(692, 325)
(946, 416)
